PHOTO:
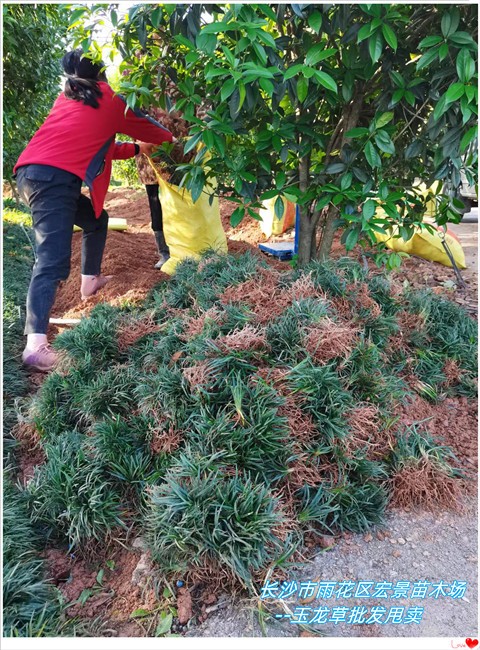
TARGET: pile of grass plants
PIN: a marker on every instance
(241, 408)
(32, 606)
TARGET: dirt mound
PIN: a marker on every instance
(130, 255)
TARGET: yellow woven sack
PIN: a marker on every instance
(426, 245)
(270, 224)
(189, 228)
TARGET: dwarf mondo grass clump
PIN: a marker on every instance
(31, 604)
(241, 408)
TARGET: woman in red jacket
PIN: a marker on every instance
(75, 144)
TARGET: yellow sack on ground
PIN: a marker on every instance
(114, 223)
(189, 228)
(270, 224)
(426, 245)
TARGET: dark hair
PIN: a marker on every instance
(83, 76)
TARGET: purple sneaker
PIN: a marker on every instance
(42, 359)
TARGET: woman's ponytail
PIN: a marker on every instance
(82, 78)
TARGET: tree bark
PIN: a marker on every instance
(328, 233)
(305, 234)
(349, 119)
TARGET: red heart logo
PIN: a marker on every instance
(471, 642)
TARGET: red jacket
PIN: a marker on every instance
(81, 139)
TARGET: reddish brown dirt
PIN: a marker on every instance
(115, 598)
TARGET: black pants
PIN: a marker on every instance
(57, 204)
(155, 207)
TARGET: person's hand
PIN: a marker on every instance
(146, 148)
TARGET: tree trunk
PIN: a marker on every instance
(349, 120)
(328, 233)
(305, 237)
(306, 226)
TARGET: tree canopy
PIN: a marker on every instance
(34, 38)
(341, 108)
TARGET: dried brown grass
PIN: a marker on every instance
(366, 431)
(132, 330)
(327, 340)
(245, 338)
(262, 294)
(194, 325)
(198, 374)
(425, 485)
(164, 438)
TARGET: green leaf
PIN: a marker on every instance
(450, 22)
(294, 70)
(430, 41)
(371, 154)
(302, 89)
(280, 178)
(206, 42)
(99, 577)
(364, 32)
(260, 52)
(155, 16)
(227, 89)
(335, 168)
(368, 209)
(346, 181)
(192, 142)
(441, 107)
(426, 59)
(242, 93)
(140, 613)
(76, 15)
(375, 45)
(462, 38)
(326, 80)
(410, 97)
(384, 142)
(465, 66)
(397, 78)
(237, 216)
(357, 132)
(397, 96)
(279, 207)
(84, 596)
(318, 53)
(443, 51)
(216, 28)
(266, 38)
(455, 91)
(315, 21)
(468, 137)
(383, 191)
(268, 11)
(164, 625)
(267, 86)
(383, 119)
(352, 239)
(389, 36)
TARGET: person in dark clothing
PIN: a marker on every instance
(75, 144)
(147, 177)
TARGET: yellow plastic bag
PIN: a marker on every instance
(270, 224)
(189, 228)
(426, 245)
